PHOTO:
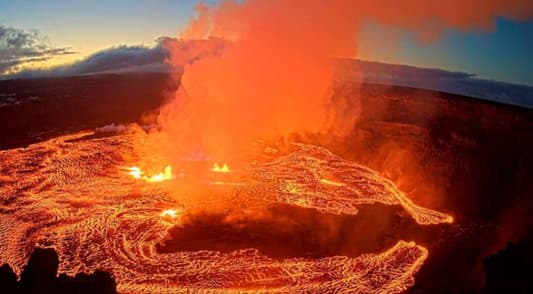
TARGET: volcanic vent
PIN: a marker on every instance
(75, 194)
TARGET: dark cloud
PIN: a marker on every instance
(117, 59)
(132, 59)
(19, 47)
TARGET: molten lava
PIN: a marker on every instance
(331, 183)
(66, 193)
(137, 173)
(218, 169)
(170, 213)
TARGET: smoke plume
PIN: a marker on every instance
(275, 75)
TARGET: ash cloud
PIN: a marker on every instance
(19, 47)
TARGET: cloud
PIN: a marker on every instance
(125, 58)
(116, 59)
(19, 47)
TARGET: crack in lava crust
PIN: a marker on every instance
(69, 194)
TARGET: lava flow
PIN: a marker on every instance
(71, 194)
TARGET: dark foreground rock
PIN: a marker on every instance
(509, 271)
(40, 276)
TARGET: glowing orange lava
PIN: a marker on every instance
(172, 215)
(137, 173)
(67, 194)
(331, 183)
(220, 169)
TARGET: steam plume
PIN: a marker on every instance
(275, 75)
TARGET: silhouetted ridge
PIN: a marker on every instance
(509, 270)
(40, 276)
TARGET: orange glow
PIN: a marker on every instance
(303, 185)
(220, 169)
(125, 227)
(136, 172)
(222, 183)
(331, 183)
(169, 213)
(165, 175)
(290, 187)
(274, 79)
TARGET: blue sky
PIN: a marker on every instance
(504, 54)
(92, 25)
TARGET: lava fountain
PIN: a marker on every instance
(220, 169)
(165, 175)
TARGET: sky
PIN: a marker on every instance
(85, 27)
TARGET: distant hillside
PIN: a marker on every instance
(435, 79)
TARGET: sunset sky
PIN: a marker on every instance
(86, 27)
